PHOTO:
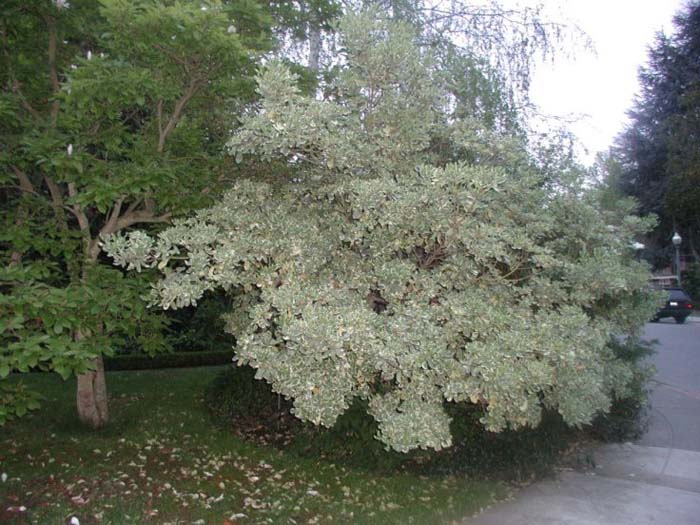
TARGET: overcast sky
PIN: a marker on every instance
(601, 87)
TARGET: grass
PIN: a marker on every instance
(163, 460)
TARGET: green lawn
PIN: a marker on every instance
(162, 460)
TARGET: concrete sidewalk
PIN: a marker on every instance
(656, 481)
(631, 484)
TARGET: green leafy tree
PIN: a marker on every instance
(365, 269)
(116, 114)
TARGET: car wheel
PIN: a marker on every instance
(680, 320)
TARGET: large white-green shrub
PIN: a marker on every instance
(372, 272)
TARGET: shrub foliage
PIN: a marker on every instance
(376, 271)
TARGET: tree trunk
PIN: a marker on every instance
(315, 45)
(92, 396)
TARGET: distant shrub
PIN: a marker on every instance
(691, 281)
(201, 328)
(173, 360)
(235, 393)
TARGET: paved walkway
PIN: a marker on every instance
(654, 482)
(630, 485)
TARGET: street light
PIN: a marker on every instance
(676, 239)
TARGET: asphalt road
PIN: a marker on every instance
(675, 398)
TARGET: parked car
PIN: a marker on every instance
(679, 306)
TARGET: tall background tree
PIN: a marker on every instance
(659, 151)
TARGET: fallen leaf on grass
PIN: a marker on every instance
(250, 502)
(79, 500)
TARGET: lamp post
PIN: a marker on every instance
(676, 239)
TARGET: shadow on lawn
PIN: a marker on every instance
(249, 408)
(161, 460)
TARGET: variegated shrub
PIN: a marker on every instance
(373, 271)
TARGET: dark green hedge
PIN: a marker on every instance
(691, 282)
(173, 360)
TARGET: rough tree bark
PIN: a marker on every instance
(315, 44)
(92, 395)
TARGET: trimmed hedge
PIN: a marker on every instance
(173, 360)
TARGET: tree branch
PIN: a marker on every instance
(116, 223)
(113, 216)
(55, 191)
(130, 217)
(191, 90)
(160, 117)
(141, 217)
(83, 221)
(53, 72)
(59, 206)
(17, 90)
(24, 183)
(133, 206)
(23, 190)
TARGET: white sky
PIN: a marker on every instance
(601, 87)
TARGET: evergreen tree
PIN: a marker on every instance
(659, 150)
